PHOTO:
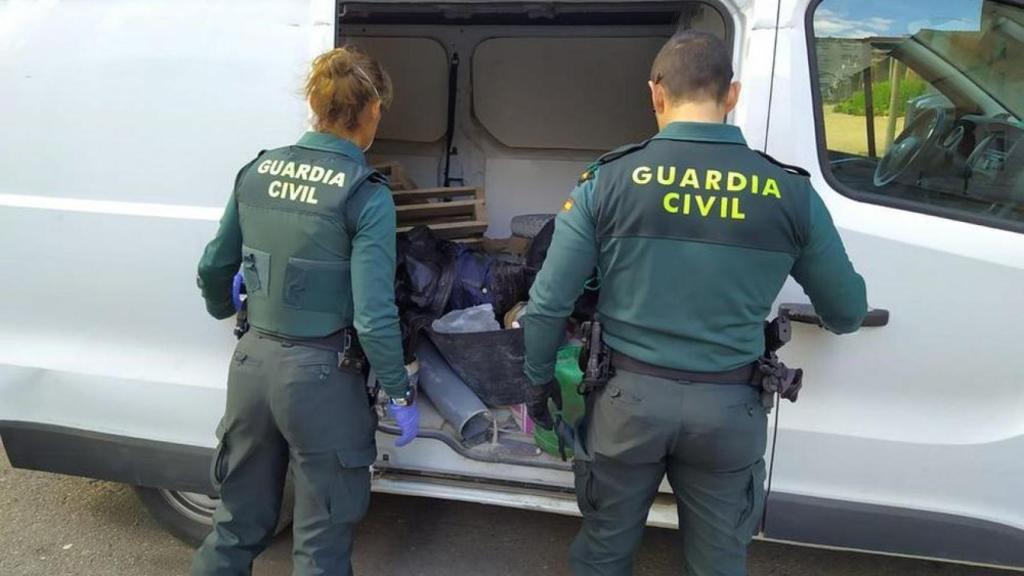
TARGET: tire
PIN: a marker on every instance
(188, 516)
(529, 225)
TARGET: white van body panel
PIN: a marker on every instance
(120, 151)
(927, 412)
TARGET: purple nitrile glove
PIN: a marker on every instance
(408, 420)
(237, 289)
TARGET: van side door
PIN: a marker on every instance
(907, 437)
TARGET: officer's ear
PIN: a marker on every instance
(732, 96)
(657, 97)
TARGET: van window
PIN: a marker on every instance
(419, 70)
(921, 105)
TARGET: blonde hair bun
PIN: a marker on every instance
(341, 83)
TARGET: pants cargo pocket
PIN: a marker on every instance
(750, 520)
(349, 497)
(219, 465)
(584, 482)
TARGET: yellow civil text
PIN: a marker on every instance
(727, 208)
(293, 192)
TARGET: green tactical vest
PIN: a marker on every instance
(296, 242)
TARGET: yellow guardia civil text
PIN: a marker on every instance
(706, 199)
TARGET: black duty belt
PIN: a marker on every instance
(332, 342)
(744, 375)
(344, 343)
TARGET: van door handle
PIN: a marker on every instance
(805, 314)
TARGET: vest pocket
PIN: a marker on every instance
(256, 270)
(318, 285)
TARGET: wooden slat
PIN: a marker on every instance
(434, 210)
(450, 230)
(396, 174)
(421, 194)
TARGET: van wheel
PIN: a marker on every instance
(189, 515)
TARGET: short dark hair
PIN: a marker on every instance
(693, 66)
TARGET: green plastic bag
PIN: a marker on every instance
(568, 376)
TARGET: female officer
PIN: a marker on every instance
(313, 229)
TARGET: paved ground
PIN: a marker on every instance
(62, 526)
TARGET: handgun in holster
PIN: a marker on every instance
(242, 320)
(351, 355)
(774, 376)
(595, 359)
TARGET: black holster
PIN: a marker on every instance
(242, 320)
(595, 359)
(351, 355)
(772, 375)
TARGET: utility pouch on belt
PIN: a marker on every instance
(595, 359)
(772, 375)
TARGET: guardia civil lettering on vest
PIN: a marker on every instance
(292, 190)
(700, 193)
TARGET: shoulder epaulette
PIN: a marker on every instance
(620, 152)
(787, 167)
(588, 174)
(378, 178)
(591, 170)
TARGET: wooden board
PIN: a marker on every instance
(440, 211)
(397, 176)
(454, 213)
(420, 195)
(455, 230)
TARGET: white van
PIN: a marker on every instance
(124, 122)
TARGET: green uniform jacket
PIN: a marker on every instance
(693, 235)
(313, 229)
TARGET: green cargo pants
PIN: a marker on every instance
(709, 439)
(289, 404)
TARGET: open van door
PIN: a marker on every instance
(519, 98)
(908, 436)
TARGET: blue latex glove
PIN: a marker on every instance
(237, 289)
(408, 420)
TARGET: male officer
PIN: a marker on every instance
(693, 235)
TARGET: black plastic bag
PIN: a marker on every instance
(436, 276)
(426, 272)
(537, 252)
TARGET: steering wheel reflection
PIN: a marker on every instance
(907, 149)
